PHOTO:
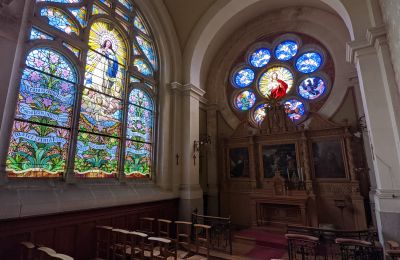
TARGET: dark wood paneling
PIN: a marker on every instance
(73, 233)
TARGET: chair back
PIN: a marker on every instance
(137, 245)
(202, 237)
(356, 249)
(302, 246)
(27, 250)
(119, 244)
(164, 228)
(146, 225)
(103, 241)
(164, 246)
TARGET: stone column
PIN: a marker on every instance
(13, 90)
(381, 102)
(212, 165)
(191, 194)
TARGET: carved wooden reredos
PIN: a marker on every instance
(290, 170)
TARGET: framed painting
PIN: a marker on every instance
(328, 159)
(280, 158)
(239, 162)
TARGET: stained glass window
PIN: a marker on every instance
(276, 82)
(271, 72)
(128, 5)
(139, 134)
(38, 146)
(42, 129)
(76, 51)
(243, 78)
(39, 35)
(286, 50)
(60, 1)
(59, 20)
(147, 49)
(142, 67)
(138, 23)
(312, 88)
(245, 100)
(294, 109)
(260, 57)
(80, 15)
(259, 113)
(308, 62)
(97, 10)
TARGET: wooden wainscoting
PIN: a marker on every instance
(73, 233)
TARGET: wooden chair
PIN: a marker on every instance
(393, 254)
(27, 250)
(136, 249)
(162, 248)
(146, 225)
(120, 243)
(183, 236)
(103, 242)
(164, 226)
(393, 245)
(202, 238)
(302, 246)
(356, 249)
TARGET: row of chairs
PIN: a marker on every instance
(308, 247)
(31, 251)
(144, 242)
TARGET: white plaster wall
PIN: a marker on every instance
(391, 14)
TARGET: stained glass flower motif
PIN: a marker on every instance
(39, 35)
(147, 49)
(245, 100)
(243, 78)
(275, 82)
(140, 98)
(142, 67)
(96, 156)
(286, 50)
(52, 63)
(309, 62)
(260, 113)
(312, 88)
(259, 58)
(137, 159)
(295, 109)
(59, 20)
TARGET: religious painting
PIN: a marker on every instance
(275, 82)
(239, 162)
(328, 159)
(96, 156)
(106, 60)
(280, 159)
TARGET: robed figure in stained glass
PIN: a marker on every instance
(280, 87)
(103, 62)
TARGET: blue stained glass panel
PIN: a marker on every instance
(147, 50)
(133, 79)
(138, 23)
(128, 5)
(59, 20)
(106, 2)
(80, 15)
(39, 35)
(97, 10)
(309, 62)
(142, 67)
(286, 50)
(243, 77)
(312, 88)
(295, 109)
(245, 100)
(52, 63)
(260, 57)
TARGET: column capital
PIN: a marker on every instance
(374, 36)
(193, 91)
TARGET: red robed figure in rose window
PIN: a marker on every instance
(279, 91)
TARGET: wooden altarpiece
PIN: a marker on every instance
(292, 174)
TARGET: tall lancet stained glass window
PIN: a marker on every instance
(292, 70)
(112, 133)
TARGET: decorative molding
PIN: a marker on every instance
(374, 35)
(194, 91)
